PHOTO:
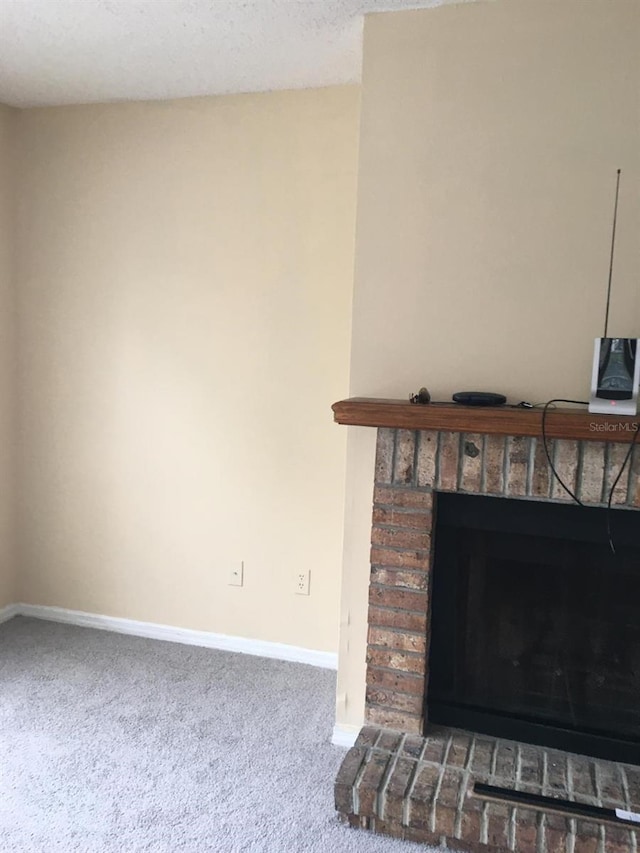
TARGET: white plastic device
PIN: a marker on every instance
(616, 376)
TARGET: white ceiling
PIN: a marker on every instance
(81, 51)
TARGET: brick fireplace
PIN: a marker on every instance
(406, 777)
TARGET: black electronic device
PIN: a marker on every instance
(479, 398)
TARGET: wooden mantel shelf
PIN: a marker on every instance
(567, 423)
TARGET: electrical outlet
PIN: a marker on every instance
(302, 582)
(236, 575)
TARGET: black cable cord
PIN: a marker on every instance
(564, 485)
(546, 447)
(615, 483)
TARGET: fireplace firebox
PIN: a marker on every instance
(535, 627)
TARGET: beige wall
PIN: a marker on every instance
(185, 297)
(491, 134)
(7, 362)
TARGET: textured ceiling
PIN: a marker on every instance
(81, 51)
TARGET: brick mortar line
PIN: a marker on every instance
(374, 624)
(505, 466)
(398, 549)
(484, 826)
(508, 442)
(511, 834)
(431, 762)
(470, 754)
(396, 631)
(598, 787)
(541, 827)
(628, 501)
(464, 787)
(545, 773)
(381, 750)
(381, 794)
(384, 568)
(394, 453)
(460, 465)
(627, 797)
(396, 628)
(541, 841)
(493, 767)
(391, 612)
(391, 528)
(401, 487)
(404, 651)
(597, 783)
(436, 465)
(630, 465)
(573, 825)
(377, 567)
(395, 710)
(531, 464)
(389, 586)
(390, 690)
(406, 805)
(391, 607)
(379, 736)
(395, 650)
(483, 465)
(579, 470)
(402, 510)
(413, 675)
(438, 785)
(385, 586)
(416, 446)
(358, 779)
(625, 786)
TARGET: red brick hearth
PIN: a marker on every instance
(404, 777)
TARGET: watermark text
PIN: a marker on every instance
(619, 426)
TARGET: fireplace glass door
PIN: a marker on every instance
(535, 629)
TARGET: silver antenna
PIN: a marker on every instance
(613, 245)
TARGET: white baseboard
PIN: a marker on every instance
(154, 631)
(8, 612)
(344, 735)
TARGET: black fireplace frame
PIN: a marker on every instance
(459, 511)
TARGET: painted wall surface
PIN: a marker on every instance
(491, 134)
(7, 362)
(186, 279)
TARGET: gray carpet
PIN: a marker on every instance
(113, 743)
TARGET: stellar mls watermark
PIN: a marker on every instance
(619, 426)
